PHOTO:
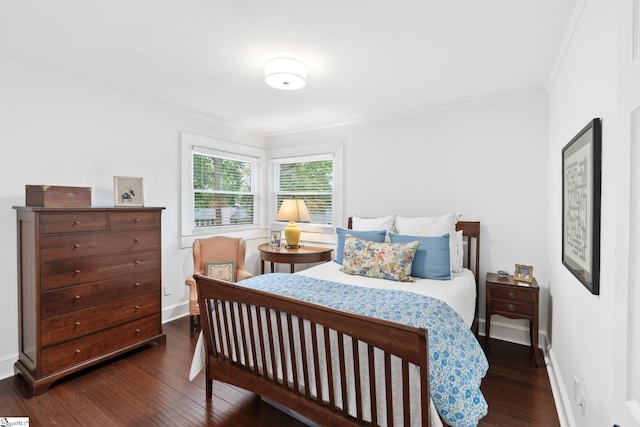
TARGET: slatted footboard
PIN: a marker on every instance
(330, 366)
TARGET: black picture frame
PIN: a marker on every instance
(581, 200)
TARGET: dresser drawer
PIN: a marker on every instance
(52, 222)
(64, 300)
(134, 220)
(84, 270)
(89, 347)
(500, 306)
(511, 294)
(82, 322)
(86, 244)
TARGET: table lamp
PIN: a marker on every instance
(293, 210)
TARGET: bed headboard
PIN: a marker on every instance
(471, 233)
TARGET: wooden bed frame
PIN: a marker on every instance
(239, 338)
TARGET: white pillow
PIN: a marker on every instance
(434, 226)
(365, 224)
(460, 247)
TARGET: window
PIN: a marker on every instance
(310, 179)
(223, 190)
(221, 186)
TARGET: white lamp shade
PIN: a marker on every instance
(285, 73)
(293, 210)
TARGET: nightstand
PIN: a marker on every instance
(515, 300)
(292, 256)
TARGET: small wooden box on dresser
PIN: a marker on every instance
(89, 283)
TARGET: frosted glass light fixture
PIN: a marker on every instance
(285, 73)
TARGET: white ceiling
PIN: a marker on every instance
(366, 58)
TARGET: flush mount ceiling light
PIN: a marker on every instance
(285, 73)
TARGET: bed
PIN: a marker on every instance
(350, 360)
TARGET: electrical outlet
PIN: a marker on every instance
(168, 289)
(583, 402)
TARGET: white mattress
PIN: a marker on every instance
(459, 292)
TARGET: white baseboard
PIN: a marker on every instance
(6, 366)
(512, 331)
(560, 396)
(174, 312)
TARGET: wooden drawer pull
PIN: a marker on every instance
(137, 331)
(76, 246)
(137, 284)
(77, 351)
(136, 239)
(511, 307)
(76, 271)
(77, 323)
(77, 297)
(137, 262)
(137, 220)
(137, 307)
(76, 222)
(511, 295)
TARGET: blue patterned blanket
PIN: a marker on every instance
(457, 363)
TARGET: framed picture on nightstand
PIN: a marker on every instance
(274, 241)
(523, 273)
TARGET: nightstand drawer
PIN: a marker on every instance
(499, 306)
(512, 294)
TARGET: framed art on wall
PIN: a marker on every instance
(128, 191)
(581, 186)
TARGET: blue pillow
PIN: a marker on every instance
(432, 260)
(374, 236)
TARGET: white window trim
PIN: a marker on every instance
(316, 233)
(633, 296)
(223, 148)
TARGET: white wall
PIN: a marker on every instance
(582, 324)
(486, 160)
(63, 133)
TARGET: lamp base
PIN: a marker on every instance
(292, 235)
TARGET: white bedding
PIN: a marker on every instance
(459, 292)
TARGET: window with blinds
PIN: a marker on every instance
(310, 179)
(223, 190)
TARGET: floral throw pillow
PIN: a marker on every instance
(221, 270)
(391, 261)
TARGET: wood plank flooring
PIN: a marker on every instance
(150, 387)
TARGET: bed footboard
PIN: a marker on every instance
(330, 366)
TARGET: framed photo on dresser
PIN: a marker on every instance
(128, 191)
(581, 184)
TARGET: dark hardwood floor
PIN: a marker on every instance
(151, 387)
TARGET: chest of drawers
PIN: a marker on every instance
(89, 283)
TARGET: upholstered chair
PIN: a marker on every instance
(216, 253)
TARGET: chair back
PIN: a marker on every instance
(218, 249)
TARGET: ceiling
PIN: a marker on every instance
(365, 58)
